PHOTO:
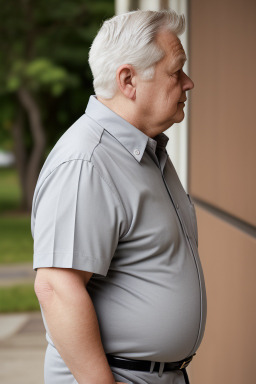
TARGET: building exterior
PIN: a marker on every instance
(222, 160)
(214, 153)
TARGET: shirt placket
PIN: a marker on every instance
(160, 160)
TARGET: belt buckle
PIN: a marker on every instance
(186, 362)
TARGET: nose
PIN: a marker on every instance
(187, 83)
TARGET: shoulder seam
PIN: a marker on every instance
(115, 193)
(65, 161)
(96, 145)
(51, 171)
(101, 176)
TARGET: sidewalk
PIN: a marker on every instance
(12, 274)
(22, 348)
(22, 335)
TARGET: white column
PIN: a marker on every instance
(178, 144)
(152, 5)
(121, 6)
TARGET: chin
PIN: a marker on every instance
(179, 118)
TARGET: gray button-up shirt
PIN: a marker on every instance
(108, 201)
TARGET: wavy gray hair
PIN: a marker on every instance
(129, 38)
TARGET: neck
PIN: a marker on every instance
(127, 110)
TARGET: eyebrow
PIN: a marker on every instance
(181, 57)
(178, 61)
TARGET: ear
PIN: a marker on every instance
(125, 78)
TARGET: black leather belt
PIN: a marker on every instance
(147, 365)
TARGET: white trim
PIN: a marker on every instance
(152, 5)
(177, 146)
(121, 6)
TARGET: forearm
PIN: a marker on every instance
(74, 329)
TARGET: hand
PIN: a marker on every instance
(120, 382)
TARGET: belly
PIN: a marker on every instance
(147, 313)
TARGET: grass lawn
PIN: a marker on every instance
(18, 298)
(9, 189)
(16, 245)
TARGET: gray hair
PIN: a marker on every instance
(129, 39)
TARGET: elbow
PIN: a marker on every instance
(43, 290)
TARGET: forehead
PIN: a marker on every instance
(172, 47)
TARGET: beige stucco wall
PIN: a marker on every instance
(227, 354)
(222, 160)
(222, 132)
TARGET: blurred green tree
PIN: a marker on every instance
(45, 79)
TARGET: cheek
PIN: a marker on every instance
(173, 95)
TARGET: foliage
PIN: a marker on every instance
(9, 189)
(7, 113)
(44, 46)
(39, 74)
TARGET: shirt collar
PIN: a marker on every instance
(132, 138)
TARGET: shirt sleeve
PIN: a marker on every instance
(78, 219)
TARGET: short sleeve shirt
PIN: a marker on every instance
(108, 200)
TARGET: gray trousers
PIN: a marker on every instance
(56, 372)
(139, 377)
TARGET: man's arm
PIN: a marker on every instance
(73, 324)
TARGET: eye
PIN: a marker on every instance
(178, 72)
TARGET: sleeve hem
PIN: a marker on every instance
(86, 264)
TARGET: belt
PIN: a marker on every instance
(147, 365)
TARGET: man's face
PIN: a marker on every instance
(160, 101)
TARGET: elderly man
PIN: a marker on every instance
(119, 280)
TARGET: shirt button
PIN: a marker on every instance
(177, 205)
(136, 152)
